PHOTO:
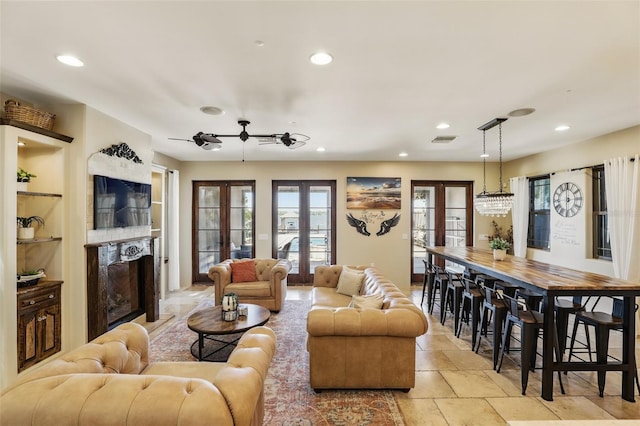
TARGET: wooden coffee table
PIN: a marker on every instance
(209, 325)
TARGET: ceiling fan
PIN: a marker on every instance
(211, 141)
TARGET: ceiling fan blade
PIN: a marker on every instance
(179, 139)
(297, 144)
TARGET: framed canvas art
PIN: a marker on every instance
(373, 192)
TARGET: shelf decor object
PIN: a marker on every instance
(23, 178)
(229, 307)
(35, 117)
(496, 203)
(29, 278)
(25, 230)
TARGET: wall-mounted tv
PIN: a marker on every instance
(119, 203)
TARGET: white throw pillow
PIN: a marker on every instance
(369, 301)
(349, 282)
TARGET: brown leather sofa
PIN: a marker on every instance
(269, 290)
(355, 348)
(109, 381)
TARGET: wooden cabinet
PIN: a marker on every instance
(39, 323)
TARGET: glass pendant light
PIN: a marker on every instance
(496, 203)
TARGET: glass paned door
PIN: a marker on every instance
(304, 223)
(223, 224)
(442, 215)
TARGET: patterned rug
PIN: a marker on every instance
(289, 400)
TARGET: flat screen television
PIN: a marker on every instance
(119, 203)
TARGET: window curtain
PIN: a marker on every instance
(173, 235)
(520, 214)
(622, 180)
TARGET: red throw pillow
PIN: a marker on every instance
(242, 272)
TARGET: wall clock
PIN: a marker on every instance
(567, 199)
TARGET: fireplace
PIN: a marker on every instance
(122, 283)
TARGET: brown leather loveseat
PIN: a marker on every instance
(266, 287)
(354, 347)
(109, 381)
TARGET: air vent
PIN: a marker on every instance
(443, 139)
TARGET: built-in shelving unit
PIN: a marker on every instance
(38, 308)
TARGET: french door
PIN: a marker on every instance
(442, 215)
(223, 224)
(304, 223)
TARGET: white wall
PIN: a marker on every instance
(589, 153)
(390, 253)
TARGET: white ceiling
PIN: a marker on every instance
(399, 69)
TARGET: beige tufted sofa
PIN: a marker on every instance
(353, 348)
(109, 381)
(269, 290)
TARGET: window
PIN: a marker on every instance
(601, 243)
(539, 212)
(223, 224)
(442, 215)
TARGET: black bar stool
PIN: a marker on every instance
(452, 298)
(532, 299)
(494, 309)
(506, 288)
(603, 324)
(563, 309)
(531, 324)
(471, 300)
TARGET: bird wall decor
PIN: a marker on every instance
(367, 219)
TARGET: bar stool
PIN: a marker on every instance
(471, 300)
(603, 324)
(492, 306)
(530, 323)
(563, 309)
(485, 280)
(440, 279)
(452, 298)
(532, 299)
(427, 282)
(506, 288)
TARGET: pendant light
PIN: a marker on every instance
(496, 203)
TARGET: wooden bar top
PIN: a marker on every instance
(550, 278)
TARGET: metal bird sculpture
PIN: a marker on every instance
(360, 225)
(386, 225)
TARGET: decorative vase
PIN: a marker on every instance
(499, 254)
(26, 233)
(229, 307)
(23, 186)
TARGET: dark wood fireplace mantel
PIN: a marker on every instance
(99, 257)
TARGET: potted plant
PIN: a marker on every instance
(500, 247)
(23, 178)
(25, 230)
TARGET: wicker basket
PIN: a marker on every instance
(15, 111)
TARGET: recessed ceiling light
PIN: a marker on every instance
(403, 154)
(72, 61)
(484, 155)
(321, 58)
(211, 110)
(562, 128)
(259, 43)
(443, 126)
(320, 149)
(521, 112)
(22, 143)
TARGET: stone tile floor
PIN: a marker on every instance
(455, 386)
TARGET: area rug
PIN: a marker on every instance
(289, 400)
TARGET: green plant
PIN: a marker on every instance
(24, 176)
(499, 244)
(25, 222)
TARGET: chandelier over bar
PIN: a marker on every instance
(496, 203)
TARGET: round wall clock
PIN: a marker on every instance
(567, 199)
